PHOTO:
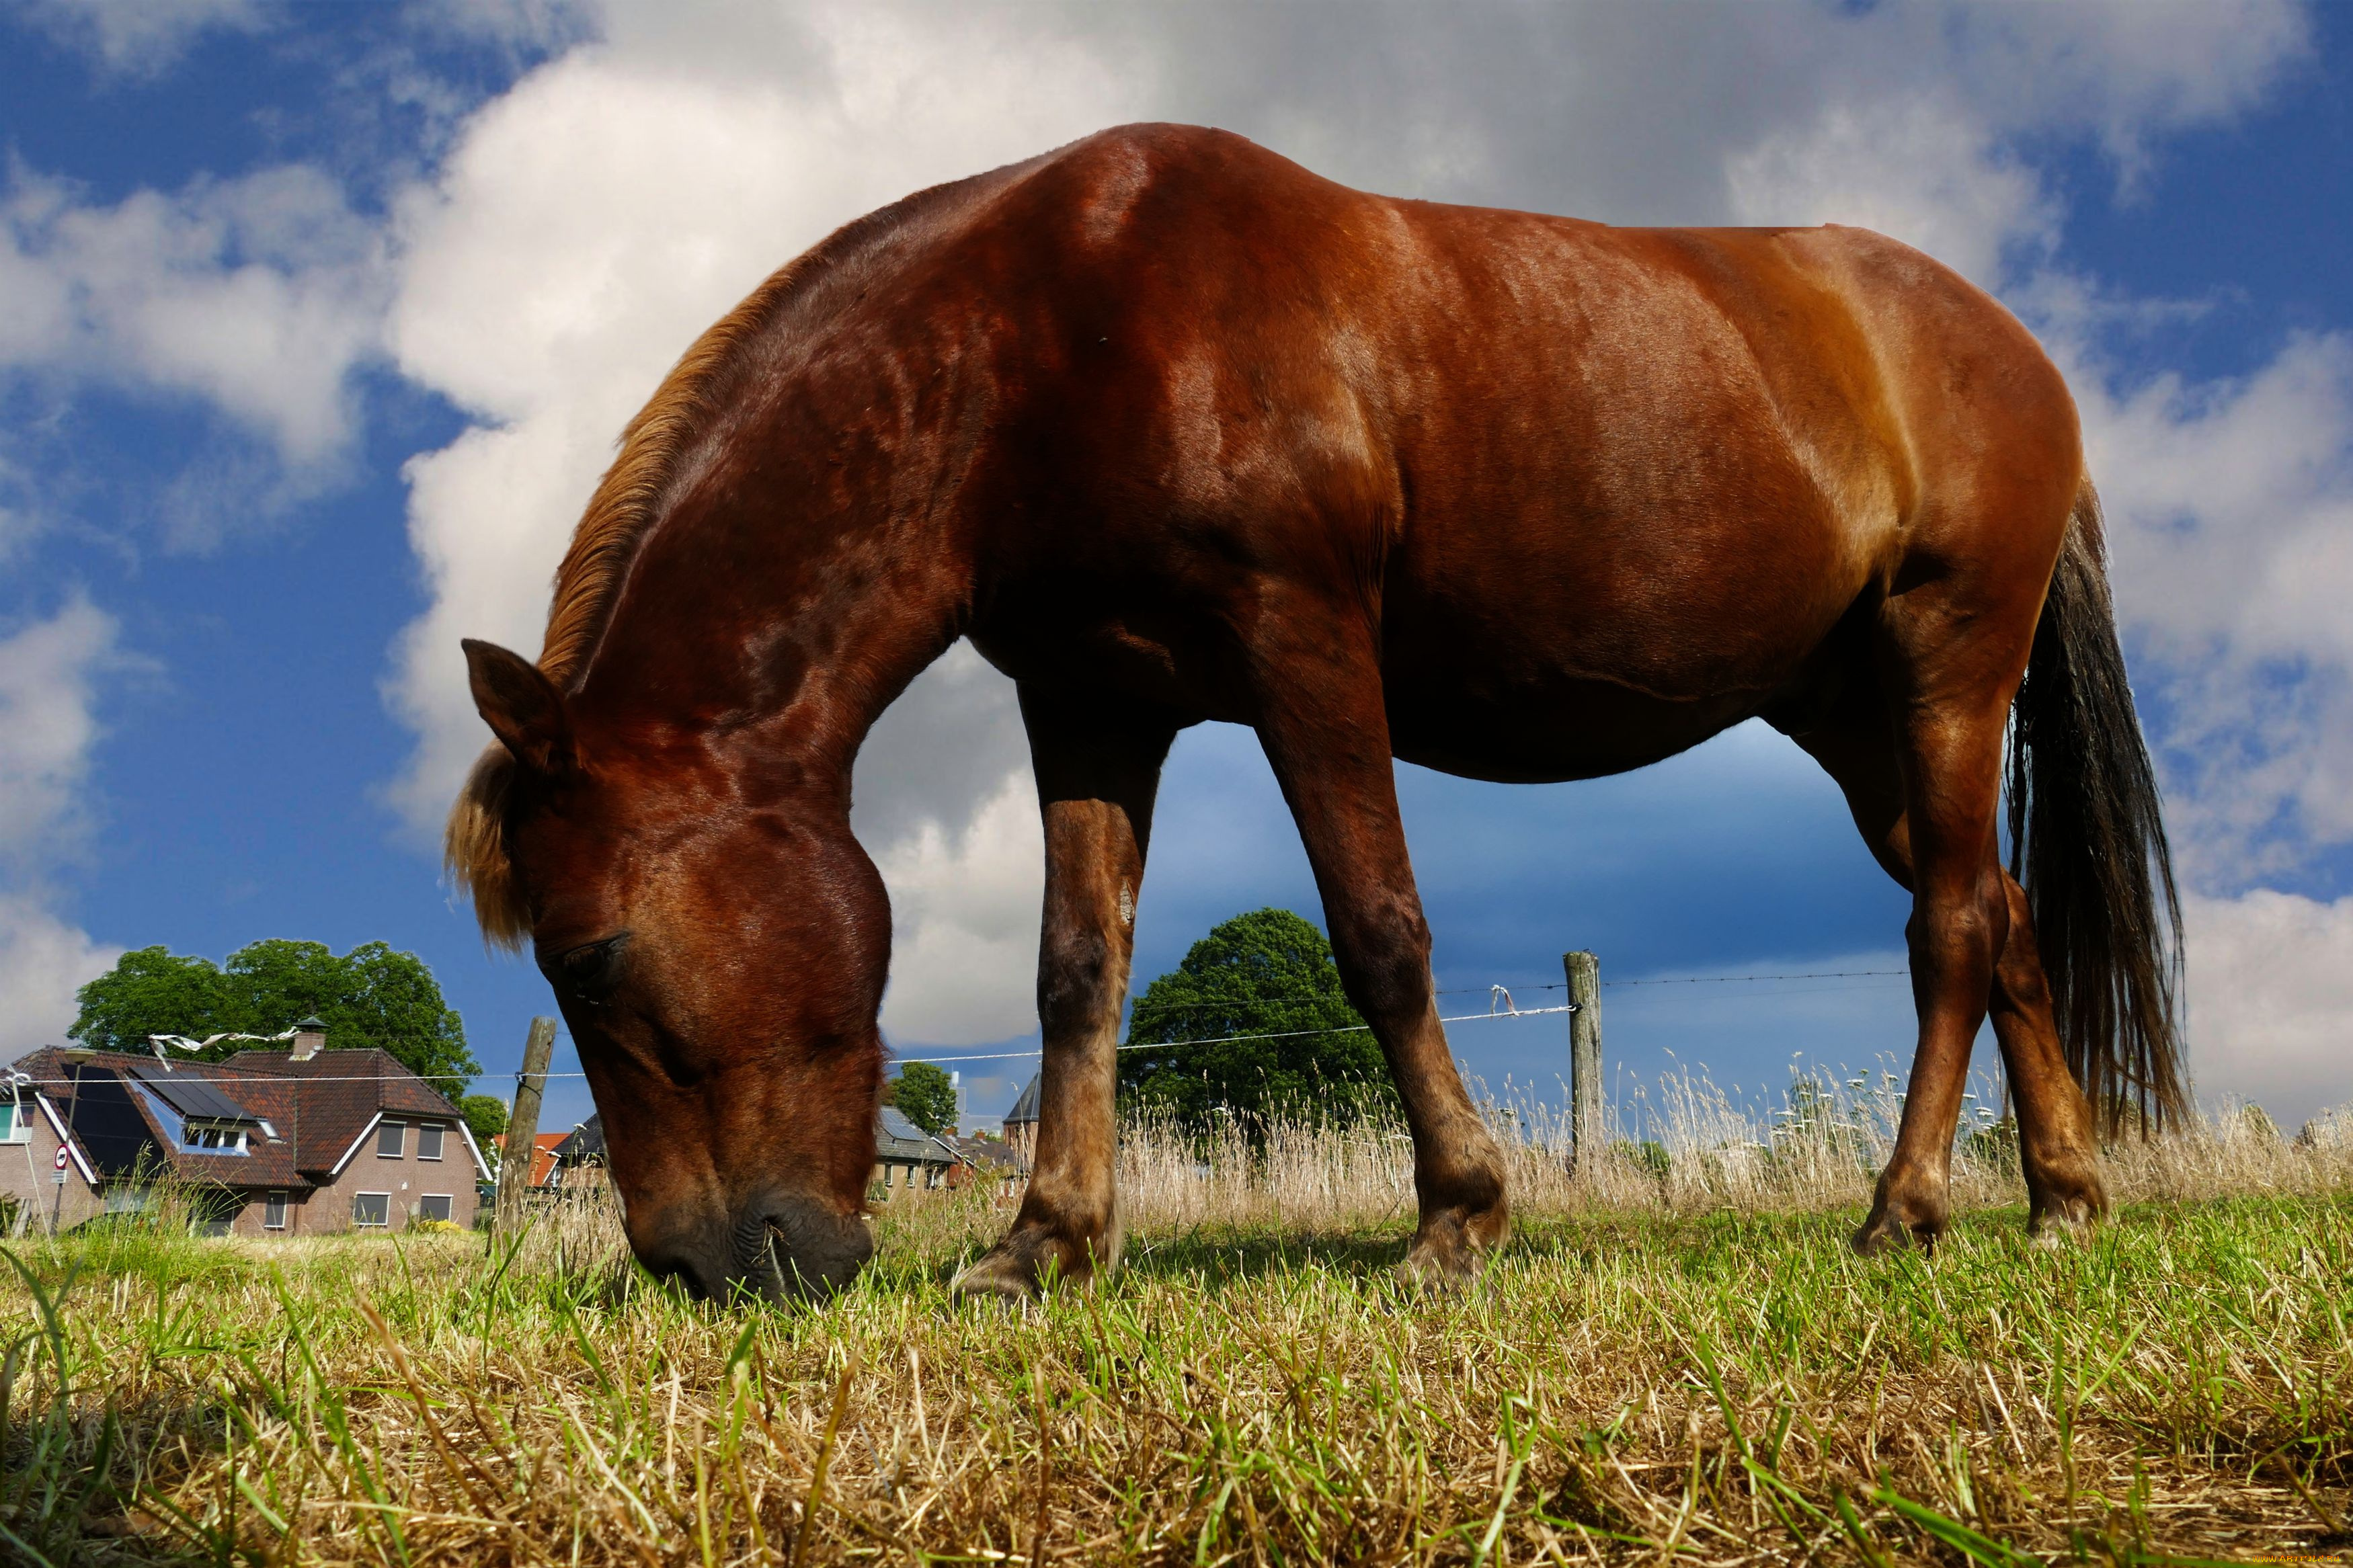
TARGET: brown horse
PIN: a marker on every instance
(1175, 430)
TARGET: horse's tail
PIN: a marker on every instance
(2088, 845)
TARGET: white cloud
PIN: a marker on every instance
(2271, 987)
(2231, 515)
(256, 297)
(49, 672)
(590, 221)
(1927, 174)
(963, 914)
(43, 961)
(141, 38)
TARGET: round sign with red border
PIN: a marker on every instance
(60, 1161)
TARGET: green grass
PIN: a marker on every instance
(1709, 1388)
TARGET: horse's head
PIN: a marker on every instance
(719, 955)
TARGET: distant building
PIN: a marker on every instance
(265, 1143)
(1021, 1126)
(543, 1154)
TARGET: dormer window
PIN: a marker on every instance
(212, 1138)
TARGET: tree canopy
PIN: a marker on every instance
(1268, 973)
(486, 1117)
(372, 996)
(925, 1095)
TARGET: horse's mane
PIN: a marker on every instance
(619, 515)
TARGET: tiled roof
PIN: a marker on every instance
(317, 1109)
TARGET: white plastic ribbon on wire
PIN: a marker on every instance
(181, 1042)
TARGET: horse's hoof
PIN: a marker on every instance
(996, 1277)
(1883, 1232)
(1449, 1256)
(2062, 1210)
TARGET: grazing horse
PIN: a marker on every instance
(1175, 430)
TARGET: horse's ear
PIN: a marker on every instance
(520, 705)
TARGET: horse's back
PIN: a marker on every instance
(1637, 473)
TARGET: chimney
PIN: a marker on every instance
(309, 1039)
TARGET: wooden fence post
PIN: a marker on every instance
(1585, 1059)
(522, 1125)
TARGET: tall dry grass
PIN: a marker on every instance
(1821, 1145)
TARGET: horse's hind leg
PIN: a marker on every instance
(1098, 766)
(1325, 731)
(1858, 748)
(2056, 1150)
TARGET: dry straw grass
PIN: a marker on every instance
(1678, 1360)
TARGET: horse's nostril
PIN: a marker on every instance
(801, 1247)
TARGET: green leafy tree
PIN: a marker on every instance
(372, 996)
(1265, 974)
(486, 1117)
(925, 1095)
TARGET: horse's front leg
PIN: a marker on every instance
(1325, 725)
(1098, 766)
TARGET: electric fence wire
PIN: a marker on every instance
(1156, 1045)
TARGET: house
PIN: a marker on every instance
(265, 1143)
(904, 1154)
(543, 1154)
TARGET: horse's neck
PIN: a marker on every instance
(793, 639)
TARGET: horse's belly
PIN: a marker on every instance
(1570, 729)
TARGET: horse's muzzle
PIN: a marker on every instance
(781, 1248)
(799, 1247)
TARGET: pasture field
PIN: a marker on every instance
(1645, 1374)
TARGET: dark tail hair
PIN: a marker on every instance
(2088, 845)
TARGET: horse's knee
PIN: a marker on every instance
(1384, 956)
(1079, 973)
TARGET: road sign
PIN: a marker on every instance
(60, 1161)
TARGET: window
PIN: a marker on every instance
(273, 1211)
(213, 1139)
(371, 1208)
(434, 1205)
(428, 1140)
(12, 1122)
(387, 1138)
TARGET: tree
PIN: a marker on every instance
(923, 1095)
(1268, 975)
(486, 1117)
(372, 996)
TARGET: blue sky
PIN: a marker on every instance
(316, 323)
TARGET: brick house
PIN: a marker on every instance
(265, 1143)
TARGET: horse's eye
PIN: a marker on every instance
(588, 972)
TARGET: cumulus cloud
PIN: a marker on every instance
(43, 961)
(255, 297)
(965, 909)
(2231, 517)
(591, 220)
(2271, 977)
(49, 674)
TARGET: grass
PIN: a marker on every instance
(1646, 1374)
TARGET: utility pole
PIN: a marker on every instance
(522, 1125)
(1585, 1059)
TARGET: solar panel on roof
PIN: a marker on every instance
(192, 1097)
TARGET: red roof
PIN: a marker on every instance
(543, 1155)
(316, 1111)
